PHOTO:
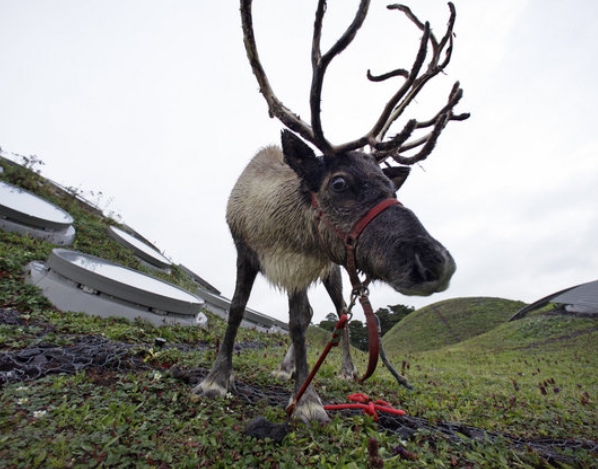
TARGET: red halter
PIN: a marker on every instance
(350, 239)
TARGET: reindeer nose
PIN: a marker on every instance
(423, 271)
(432, 265)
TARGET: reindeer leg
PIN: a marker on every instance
(220, 378)
(286, 369)
(309, 406)
(334, 286)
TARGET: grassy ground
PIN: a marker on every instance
(509, 380)
(487, 393)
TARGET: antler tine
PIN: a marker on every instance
(437, 47)
(396, 145)
(320, 64)
(454, 97)
(448, 37)
(434, 67)
(394, 108)
(275, 107)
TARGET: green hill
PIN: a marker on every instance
(542, 332)
(449, 322)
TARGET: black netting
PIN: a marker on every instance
(86, 352)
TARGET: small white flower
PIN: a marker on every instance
(22, 388)
(22, 400)
(156, 376)
(229, 395)
(39, 413)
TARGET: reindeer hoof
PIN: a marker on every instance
(283, 375)
(310, 408)
(310, 412)
(208, 388)
(347, 374)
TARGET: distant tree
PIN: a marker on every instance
(401, 310)
(358, 330)
(329, 323)
(359, 334)
(392, 315)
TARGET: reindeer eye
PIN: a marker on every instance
(339, 184)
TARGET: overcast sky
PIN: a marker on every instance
(153, 103)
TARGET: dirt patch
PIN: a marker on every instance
(101, 377)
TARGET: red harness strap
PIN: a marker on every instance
(359, 289)
(351, 239)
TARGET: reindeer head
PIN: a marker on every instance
(392, 246)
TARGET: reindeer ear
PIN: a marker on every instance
(302, 159)
(397, 174)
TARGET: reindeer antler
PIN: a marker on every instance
(414, 82)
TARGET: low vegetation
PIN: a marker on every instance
(487, 393)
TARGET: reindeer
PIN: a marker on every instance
(291, 212)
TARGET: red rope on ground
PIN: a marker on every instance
(369, 407)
